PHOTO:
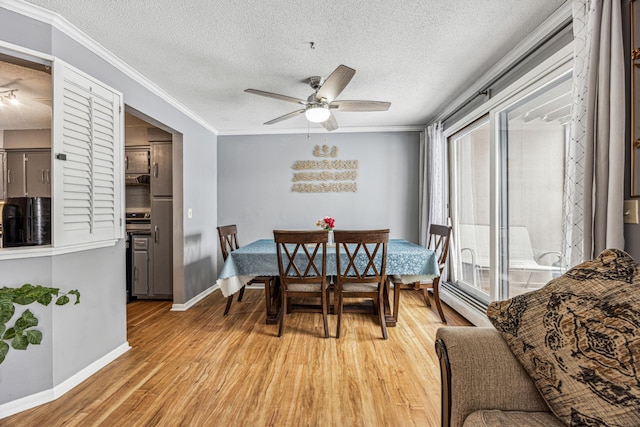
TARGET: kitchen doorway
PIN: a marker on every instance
(153, 209)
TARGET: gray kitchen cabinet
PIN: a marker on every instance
(140, 265)
(3, 176)
(39, 174)
(16, 179)
(136, 160)
(162, 246)
(161, 169)
(29, 173)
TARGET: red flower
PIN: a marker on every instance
(326, 223)
(331, 223)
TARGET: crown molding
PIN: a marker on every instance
(362, 129)
(60, 23)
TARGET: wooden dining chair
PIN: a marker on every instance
(438, 242)
(302, 263)
(228, 235)
(361, 258)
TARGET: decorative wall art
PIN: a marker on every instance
(325, 176)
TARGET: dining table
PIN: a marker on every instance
(259, 258)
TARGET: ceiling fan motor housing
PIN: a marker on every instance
(315, 82)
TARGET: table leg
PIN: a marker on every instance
(390, 317)
(272, 299)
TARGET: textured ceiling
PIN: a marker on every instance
(32, 89)
(418, 55)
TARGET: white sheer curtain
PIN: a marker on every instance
(434, 194)
(595, 156)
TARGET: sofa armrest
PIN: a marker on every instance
(480, 372)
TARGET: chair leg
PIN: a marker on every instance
(383, 321)
(289, 306)
(229, 301)
(283, 312)
(396, 301)
(436, 297)
(425, 293)
(325, 299)
(241, 294)
(339, 308)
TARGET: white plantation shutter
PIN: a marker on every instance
(86, 152)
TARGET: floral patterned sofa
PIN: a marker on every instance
(566, 354)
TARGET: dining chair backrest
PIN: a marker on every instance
(302, 264)
(361, 261)
(350, 248)
(439, 242)
(301, 256)
(228, 235)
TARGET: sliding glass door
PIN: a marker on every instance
(507, 193)
(471, 180)
(533, 134)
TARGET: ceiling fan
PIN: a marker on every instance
(318, 106)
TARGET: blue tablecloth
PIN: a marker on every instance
(259, 259)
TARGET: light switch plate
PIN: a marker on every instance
(190, 213)
(630, 212)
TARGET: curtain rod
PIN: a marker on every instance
(486, 90)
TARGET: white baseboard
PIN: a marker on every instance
(469, 312)
(40, 398)
(193, 301)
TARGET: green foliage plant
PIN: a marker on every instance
(23, 331)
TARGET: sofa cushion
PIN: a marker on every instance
(497, 418)
(578, 338)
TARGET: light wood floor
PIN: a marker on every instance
(198, 368)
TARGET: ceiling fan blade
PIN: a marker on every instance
(361, 105)
(285, 117)
(335, 83)
(276, 96)
(330, 124)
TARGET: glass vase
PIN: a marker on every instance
(330, 241)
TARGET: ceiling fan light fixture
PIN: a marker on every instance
(317, 113)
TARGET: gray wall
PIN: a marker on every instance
(76, 336)
(255, 180)
(27, 372)
(89, 330)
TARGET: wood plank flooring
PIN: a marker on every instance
(199, 368)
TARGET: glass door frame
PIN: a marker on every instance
(552, 69)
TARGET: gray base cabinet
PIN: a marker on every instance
(151, 266)
(140, 265)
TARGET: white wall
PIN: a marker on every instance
(255, 180)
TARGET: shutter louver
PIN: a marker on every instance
(77, 181)
(89, 138)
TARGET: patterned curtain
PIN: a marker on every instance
(594, 180)
(434, 194)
